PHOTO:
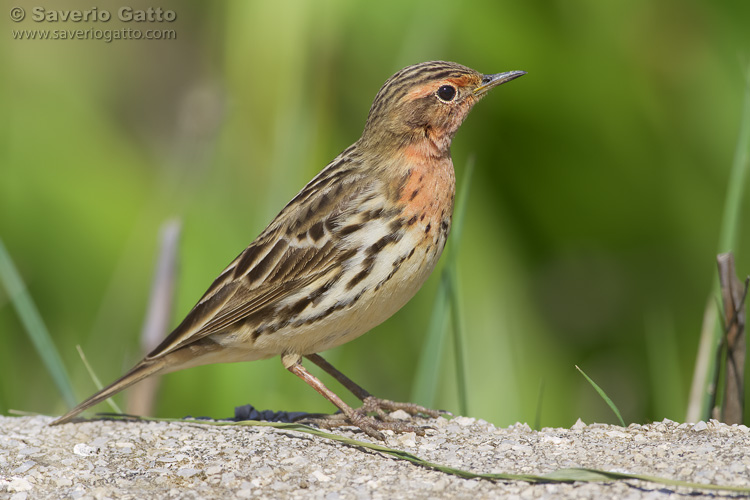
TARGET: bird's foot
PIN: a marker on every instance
(381, 406)
(381, 420)
(370, 425)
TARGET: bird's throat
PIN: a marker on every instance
(428, 148)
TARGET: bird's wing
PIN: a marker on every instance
(302, 245)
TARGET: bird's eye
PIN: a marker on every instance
(446, 93)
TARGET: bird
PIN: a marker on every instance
(347, 252)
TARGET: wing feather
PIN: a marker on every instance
(289, 255)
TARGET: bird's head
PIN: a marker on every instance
(423, 105)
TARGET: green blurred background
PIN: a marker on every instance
(592, 221)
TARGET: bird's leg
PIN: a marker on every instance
(355, 389)
(370, 402)
(368, 424)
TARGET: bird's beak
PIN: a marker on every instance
(491, 81)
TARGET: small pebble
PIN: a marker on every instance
(700, 426)
(84, 450)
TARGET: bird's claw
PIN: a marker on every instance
(378, 405)
(381, 420)
(372, 426)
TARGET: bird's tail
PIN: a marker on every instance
(142, 370)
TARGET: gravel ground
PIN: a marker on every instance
(127, 460)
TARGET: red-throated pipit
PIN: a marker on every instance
(345, 254)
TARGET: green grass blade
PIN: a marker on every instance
(424, 389)
(596, 475)
(558, 476)
(460, 210)
(604, 396)
(459, 341)
(730, 223)
(451, 274)
(664, 365)
(728, 238)
(34, 325)
(446, 302)
(95, 379)
(700, 399)
(448, 284)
